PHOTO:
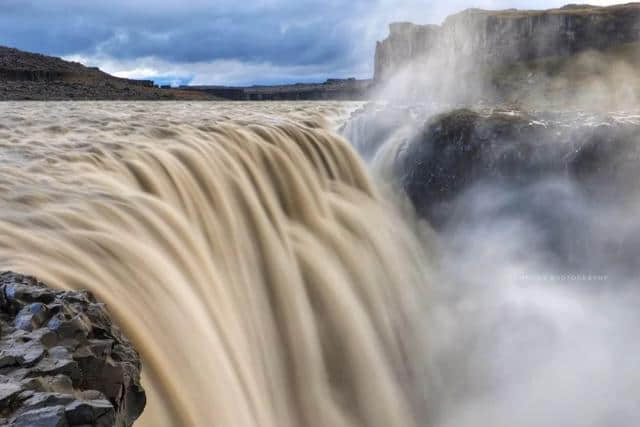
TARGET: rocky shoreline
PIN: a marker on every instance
(62, 360)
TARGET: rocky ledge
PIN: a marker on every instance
(455, 150)
(441, 155)
(565, 180)
(62, 360)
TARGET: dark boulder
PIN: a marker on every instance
(62, 360)
(459, 149)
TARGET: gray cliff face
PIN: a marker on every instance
(569, 178)
(494, 38)
(459, 149)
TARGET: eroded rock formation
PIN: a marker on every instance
(62, 360)
(477, 37)
(462, 148)
(577, 55)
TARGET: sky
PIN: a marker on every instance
(230, 42)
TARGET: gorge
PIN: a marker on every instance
(459, 246)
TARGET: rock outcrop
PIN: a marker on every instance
(62, 360)
(459, 149)
(567, 182)
(472, 55)
(477, 37)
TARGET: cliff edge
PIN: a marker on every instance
(478, 45)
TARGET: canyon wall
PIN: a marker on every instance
(479, 38)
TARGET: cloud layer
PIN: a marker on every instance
(221, 41)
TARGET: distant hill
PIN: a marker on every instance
(334, 89)
(32, 76)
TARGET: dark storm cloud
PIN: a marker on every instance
(280, 32)
(221, 41)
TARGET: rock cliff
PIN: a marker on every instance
(472, 42)
(458, 149)
(568, 178)
(502, 37)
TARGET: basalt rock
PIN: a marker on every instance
(459, 149)
(62, 360)
(526, 56)
(484, 37)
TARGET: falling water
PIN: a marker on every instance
(241, 247)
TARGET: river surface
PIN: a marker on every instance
(270, 273)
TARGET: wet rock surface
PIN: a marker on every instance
(455, 150)
(62, 360)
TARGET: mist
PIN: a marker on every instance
(533, 316)
(462, 251)
(516, 58)
(540, 321)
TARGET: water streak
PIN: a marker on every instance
(242, 248)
